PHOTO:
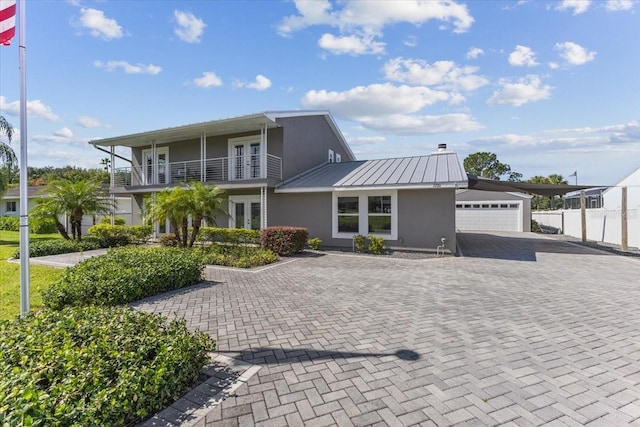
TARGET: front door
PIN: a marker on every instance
(155, 171)
(244, 159)
(245, 212)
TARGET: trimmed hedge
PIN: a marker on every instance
(95, 366)
(237, 256)
(229, 235)
(124, 275)
(120, 235)
(59, 246)
(284, 240)
(9, 223)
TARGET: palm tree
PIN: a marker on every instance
(196, 200)
(75, 199)
(207, 203)
(7, 155)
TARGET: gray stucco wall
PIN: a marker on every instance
(307, 141)
(424, 217)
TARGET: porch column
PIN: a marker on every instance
(583, 215)
(263, 150)
(154, 163)
(624, 239)
(203, 156)
(112, 178)
(263, 205)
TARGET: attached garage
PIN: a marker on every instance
(492, 211)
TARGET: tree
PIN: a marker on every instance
(547, 203)
(487, 165)
(7, 155)
(196, 201)
(46, 174)
(75, 199)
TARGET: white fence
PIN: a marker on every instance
(603, 225)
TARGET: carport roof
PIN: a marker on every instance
(440, 169)
(479, 183)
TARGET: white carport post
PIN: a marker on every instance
(263, 205)
(624, 238)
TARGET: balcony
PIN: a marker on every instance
(222, 169)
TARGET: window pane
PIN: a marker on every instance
(380, 224)
(348, 224)
(348, 205)
(380, 204)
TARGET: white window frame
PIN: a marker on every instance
(154, 179)
(14, 206)
(338, 158)
(246, 200)
(331, 156)
(363, 213)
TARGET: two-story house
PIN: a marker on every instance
(295, 168)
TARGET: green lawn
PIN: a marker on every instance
(41, 277)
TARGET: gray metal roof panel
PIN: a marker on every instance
(435, 170)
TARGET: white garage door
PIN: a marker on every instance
(489, 216)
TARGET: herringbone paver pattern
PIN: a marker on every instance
(521, 331)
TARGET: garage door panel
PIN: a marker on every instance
(488, 219)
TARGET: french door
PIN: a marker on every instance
(244, 160)
(244, 212)
(155, 171)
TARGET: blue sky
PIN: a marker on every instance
(550, 87)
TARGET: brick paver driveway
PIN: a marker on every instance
(523, 330)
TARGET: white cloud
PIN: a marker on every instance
(474, 52)
(261, 83)
(207, 80)
(371, 14)
(128, 68)
(404, 124)
(574, 54)
(189, 28)
(411, 41)
(90, 122)
(365, 140)
(554, 65)
(35, 108)
(525, 90)
(374, 100)
(618, 5)
(352, 45)
(99, 25)
(522, 56)
(441, 74)
(64, 133)
(578, 6)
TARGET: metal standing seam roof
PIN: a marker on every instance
(442, 169)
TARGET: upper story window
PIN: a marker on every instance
(338, 158)
(331, 156)
(12, 207)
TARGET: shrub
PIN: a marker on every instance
(120, 235)
(42, 225)
(168, 240)
(359, 243)
(315, 243)
(376, 245)
(9, 223)
(284, 240)
(229, 235)
(535, 227)
(95, 366)
(124, 275)
(116, 221)
(59, 246)
(237, 256)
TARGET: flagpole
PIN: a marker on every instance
(24, 197)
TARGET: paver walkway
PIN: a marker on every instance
(520, 331)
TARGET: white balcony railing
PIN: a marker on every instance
(221, 169)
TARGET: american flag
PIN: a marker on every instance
(7, 21)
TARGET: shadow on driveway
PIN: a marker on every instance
(274, 355)
(516, 246)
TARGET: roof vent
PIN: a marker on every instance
(442, 147)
